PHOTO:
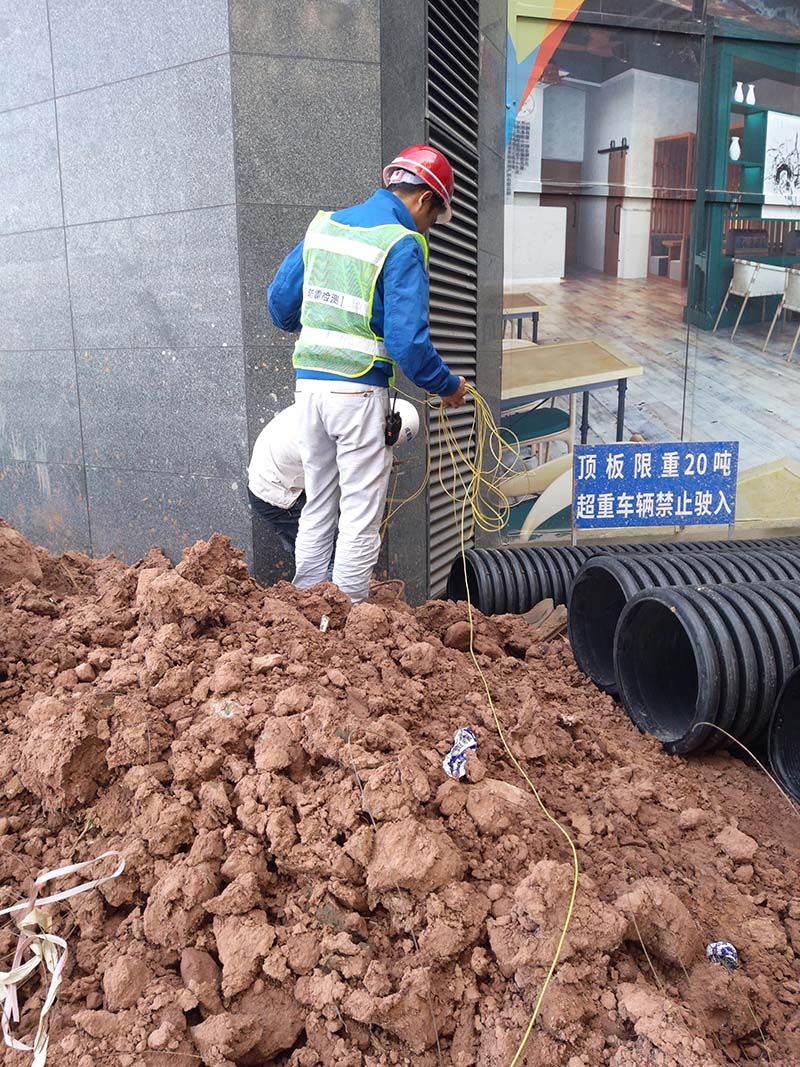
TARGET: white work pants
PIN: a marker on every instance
(346, 463)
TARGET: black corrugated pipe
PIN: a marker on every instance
(784, 736)
(715, 654)
(604, 585)
(515, 579)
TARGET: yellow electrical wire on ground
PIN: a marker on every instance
(479, 501)
(489, 512)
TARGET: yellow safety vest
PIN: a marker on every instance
(342, 265)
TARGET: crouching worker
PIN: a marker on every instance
(275, 486)
(275, 477)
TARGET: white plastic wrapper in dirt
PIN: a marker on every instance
(723, 952)
(45, 949)
(455, 762)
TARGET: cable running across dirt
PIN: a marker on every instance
(478, 501)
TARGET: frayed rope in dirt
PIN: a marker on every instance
(46, 949)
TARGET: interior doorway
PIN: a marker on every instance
(561, 178)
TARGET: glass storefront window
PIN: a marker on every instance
(652, 172)
(747, 282)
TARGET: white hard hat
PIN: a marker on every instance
(409, 421)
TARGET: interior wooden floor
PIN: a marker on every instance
(696, 385)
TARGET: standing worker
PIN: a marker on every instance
(357, 289)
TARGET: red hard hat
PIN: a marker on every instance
(430, 165)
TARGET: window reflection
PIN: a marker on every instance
(653, 258)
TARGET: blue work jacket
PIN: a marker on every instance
(399, 309)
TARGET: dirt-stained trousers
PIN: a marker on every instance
(346, 465)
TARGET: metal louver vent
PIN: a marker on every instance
(452, 127)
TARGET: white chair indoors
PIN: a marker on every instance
(750, 280)
(789, 302)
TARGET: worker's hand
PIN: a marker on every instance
(456, 399)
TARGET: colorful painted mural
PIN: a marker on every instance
(531, 45)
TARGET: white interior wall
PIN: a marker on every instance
(777, 96)
(663, 106)
(535, 236)
(563, 122)
(609, 117)
(535, 241)
(529, 180)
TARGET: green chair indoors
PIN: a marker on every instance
(537, 427)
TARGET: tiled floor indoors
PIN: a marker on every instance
(733, 391)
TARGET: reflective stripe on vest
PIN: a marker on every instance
(342, 265)
(343, 246)
(316, 338)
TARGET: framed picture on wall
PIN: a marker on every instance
(782, 162)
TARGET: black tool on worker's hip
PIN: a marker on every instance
(394, 423)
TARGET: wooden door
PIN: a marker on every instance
(561, 188)
(616, 189)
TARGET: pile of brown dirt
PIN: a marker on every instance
(305, 886)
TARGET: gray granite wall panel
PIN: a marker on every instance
(26, 75)
(308, 137)
(166, 281)
(491, 134)
(307, 130)
(101, 41)
(270, 383)
(403, 89)
(39, 419)
(178, 411)
(34, 298)
(325, 29)
(47, 503)
(267, 233)
(270, 389)
(133, 510)
(30, 194)
(493, 22)
(169, 248)
(492, 111)
(491, 169)
(152, 268)
(490, 325)
(159, 143)
(271, 563)
(403, 74)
